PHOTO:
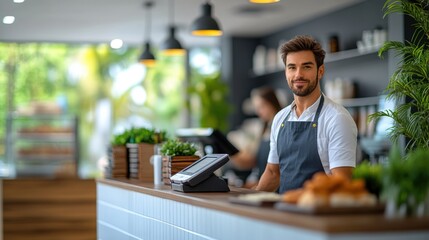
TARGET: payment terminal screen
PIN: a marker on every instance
(199, 165)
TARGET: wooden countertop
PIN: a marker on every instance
(332, 224)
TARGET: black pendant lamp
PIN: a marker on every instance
(147, 58)
(264, 1)
(171, 46)
(206, 25)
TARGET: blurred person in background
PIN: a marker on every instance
(249, 164)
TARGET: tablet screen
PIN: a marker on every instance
(199, 165)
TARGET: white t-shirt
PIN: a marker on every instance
(336, 134)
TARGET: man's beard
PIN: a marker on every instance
(305, 91)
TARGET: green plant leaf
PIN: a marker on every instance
(409, 84)
(175, 147)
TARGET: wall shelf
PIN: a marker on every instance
(330, 58)
(359, 102)
(348, 54)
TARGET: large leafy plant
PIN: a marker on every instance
(410, 82)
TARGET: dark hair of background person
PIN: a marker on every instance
(269, 95)
(303, 43)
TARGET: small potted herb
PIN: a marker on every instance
(176, 155)
(120, 139)
(175, 147)
(146, 135)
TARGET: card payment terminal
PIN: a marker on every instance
(199, 176)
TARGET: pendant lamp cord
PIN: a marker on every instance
(171, 10)
(148, 5)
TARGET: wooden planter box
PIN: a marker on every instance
(173, 165)
(139, 165)
(117, 162)
(146, 151)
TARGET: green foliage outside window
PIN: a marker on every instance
(30, 72)
(85, 74)
(166, 93)
(208, 104)
(212, 106)
(34, 72)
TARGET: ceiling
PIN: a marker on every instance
(99, 21)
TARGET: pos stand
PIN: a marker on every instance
(212, 184)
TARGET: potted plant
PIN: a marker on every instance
(410, 81)
(176, 155)
(405, 178)
(130, 152)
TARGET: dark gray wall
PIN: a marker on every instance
(347, 24)
(237, 57)
(369, 71)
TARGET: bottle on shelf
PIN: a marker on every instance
(333, 44)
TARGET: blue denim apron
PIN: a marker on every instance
(297, 149)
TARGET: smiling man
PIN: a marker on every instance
(313, 134)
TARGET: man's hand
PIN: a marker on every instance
(270, 179)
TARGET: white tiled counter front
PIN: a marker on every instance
(133, 210)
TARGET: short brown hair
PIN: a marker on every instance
(303, 43)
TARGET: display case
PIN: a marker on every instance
(42, 145)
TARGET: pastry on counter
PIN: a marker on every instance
(292, 196)
(333, 191)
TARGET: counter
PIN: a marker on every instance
(48, 209)
(130, 209)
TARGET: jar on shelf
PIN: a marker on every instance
(333, 44)
(259, 60)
